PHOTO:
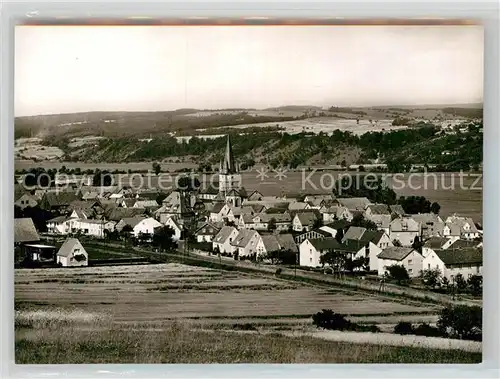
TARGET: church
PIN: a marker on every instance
(231, 190)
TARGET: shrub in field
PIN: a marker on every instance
(475, 283)
(461, 321)
(398, 273)
(427, 330)
(278, 272)
(403, 328)
(246, 326)
(328, 319)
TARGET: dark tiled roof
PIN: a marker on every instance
(396, 253)
(461, 257)
(325, 243)
(435, 242)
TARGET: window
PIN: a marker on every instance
(429, 266)
(410, 261)
(410, 271)
(310, 259)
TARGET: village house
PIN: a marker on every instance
(354, 203)
(72, 254)
(396, 210)
(304, 221)
(261, 221)
(219, 212)
(177, 205)
(175, 227)
(404, 230)
(407, 257)
(59, 225)
(457, 243)
(209, 193)
(312, 234)
(139, 224)
(278, 242)
(380, 215)
(336, 212)
(247, 243)
(364, 243)
(462, 227)
(311, 250)
(436, 243)
(92, 228)
(255, 196)
(150, 205)
(467, 262)
(57, 201)
(207, 232)
(431, 224)
(223, 240)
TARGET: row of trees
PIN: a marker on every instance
(434, 279)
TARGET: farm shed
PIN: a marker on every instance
(72, 254)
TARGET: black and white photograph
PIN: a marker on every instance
(245, 193)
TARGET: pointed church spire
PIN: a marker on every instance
(229, 165)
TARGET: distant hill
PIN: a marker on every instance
(189, 121)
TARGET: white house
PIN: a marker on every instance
(311, 250)
(335, 212)
(363, 243)
(304, 221)
(176, 228)
(247, 243)
(146, 226)
(93, 228)
(431, 224)
(467, 262)
(223, 240)
(207, 232)
(312, 234)
(329, 230)
(72, 254)
(404, 230)
(463, 227)
(59, 225)
(219, 212)
(403, 256)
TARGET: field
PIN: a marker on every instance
(115, 308)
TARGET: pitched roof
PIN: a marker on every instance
(271, 242)
(129, 202)
(244, 237)
(57, 219)
(217, 207)
(25, 231)
(435, 242)
(146, 204)
(461, 257)
(425, 218)
(324, 243)
(68, 246)
(307, 218)
(224, 234)
(354, 233)
(373, 236)
(398, 224)
(397, 209)
(133, 221)
(208, 228)
(462, 244)
(338, 224)
(379, 209)
(287, 242)
(396, 253)
(354, 203)
(57, 199)
(117, 214)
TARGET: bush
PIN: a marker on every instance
(330, 320)
(428, 331)
(461, 321)
(403, 328)
(278, 272)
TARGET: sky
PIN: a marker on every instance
(65, 69)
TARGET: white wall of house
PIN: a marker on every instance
(204, 238)
(308, 255)
(219, 216)
(252, 245)
(412, 263)
(89, 228)
(432, 261)
(59, 227)
(70, 260)
(177, 231)
(373, 251)
(146, 226)
(225, 246)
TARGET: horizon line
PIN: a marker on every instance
(430, 105)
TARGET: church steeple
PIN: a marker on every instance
(229, 165)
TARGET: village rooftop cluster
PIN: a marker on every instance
(314, 231)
